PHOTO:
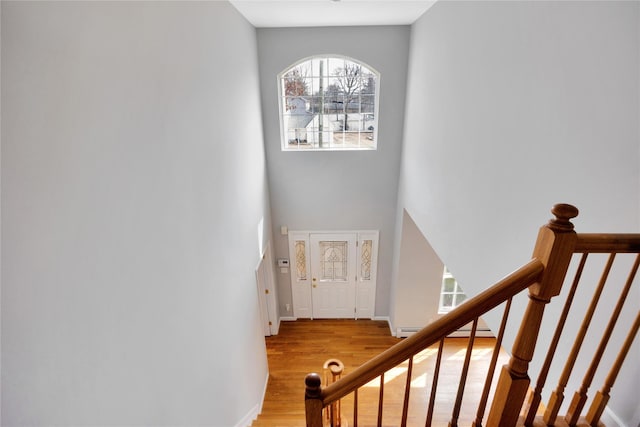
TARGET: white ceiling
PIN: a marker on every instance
(323, 13)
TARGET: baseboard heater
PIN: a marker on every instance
(405, 332)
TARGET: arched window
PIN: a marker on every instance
(329, 103)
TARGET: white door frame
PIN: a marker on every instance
(265, 280)
(300, 270)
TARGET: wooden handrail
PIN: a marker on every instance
(511, 285)
(607, 243)
(544, 276)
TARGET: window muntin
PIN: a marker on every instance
(451, 294)
(329, 103)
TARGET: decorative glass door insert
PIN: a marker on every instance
(365, 259)
(334, 258)
(301, 259)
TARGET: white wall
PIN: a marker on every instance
(133, 182)
(336, 190)
(512, 107)
(418, 279)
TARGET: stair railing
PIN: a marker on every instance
(544, 276)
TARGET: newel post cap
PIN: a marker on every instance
(312, 382)
(563, 213)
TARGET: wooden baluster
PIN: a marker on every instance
(355, 408)
(336, 407)
(331, 414)
(380, 399)
(434, 385)
(327, 381)
(313, 400)
(492, 366)
(580, 397)
(407, 390)
(554, 248)
(463, 376)
(536, 395)
(557, 396)
(602, 397)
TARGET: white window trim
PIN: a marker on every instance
(284, 143)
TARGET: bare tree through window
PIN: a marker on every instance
(349, 82)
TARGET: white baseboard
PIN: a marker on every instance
(405, 331)
(288, 319)
(248, 419)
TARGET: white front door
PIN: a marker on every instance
(333, 275)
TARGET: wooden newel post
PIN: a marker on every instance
(313, 400)
(554, 249)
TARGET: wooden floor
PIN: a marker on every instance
(303, 346)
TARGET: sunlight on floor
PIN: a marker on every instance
(421, 380)
(476, 354)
